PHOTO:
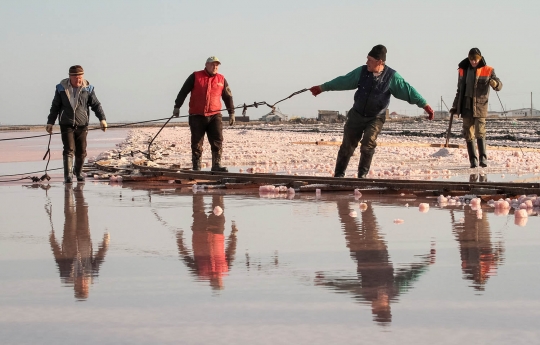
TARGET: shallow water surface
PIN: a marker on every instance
(131, 264)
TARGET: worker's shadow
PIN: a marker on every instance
(76, 260)
(376, 282)
(211, 258)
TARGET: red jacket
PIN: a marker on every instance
(206, 91)
(206, 94)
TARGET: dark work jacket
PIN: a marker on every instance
(484, 74)
(373, 94)
(61, 107)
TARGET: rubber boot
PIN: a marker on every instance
(68, 166)
(342, 162)
(471, 149)
(482, 151)
(196, 160)
(77, 169)
(365, 162)
(216, 162)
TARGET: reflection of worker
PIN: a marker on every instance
(479, 256)
(378, 283)
(210, 260)
(75, 258)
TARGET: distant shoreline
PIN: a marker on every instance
(34, 128)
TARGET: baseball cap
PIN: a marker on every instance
(213, 59)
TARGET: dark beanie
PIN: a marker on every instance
(475, 51)
(76, 70)
(378, 52)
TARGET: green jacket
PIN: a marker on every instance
(399, 88)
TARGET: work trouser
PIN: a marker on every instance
(361, 129)
(74, 140)
(212, 126)
(474, 128)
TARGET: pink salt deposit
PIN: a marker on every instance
(423, 207)
(218, 211)
(398, 221)
(521, 214)
(269, 151)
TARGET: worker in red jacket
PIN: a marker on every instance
(207, 88)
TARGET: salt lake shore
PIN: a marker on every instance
(403, 150)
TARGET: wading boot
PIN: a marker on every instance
(342, 162)
(77, 169)
(196, 160)
(482, 152)
(216, 162)
(471, 149)
(68, 165)
(365, 162)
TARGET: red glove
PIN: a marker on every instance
(429, 111)
(315, 90)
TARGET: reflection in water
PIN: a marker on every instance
(210, 260)
(478, 178)
(479, 256)
(75, 258)
(377, 282)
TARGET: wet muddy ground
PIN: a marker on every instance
(109, 264)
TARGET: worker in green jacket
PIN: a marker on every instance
(375, 83)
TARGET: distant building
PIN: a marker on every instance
(275, 116)
(328, 115)
(525, 112)
(441, 115)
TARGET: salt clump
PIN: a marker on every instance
(521, 214)
(353, 214)
(218, 211)
(398, 221)
(423, 207)
(441, 199)
(363, 206)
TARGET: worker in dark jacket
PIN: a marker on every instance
(375, 83)
(72, 101)
(471, 102)
(207, 88)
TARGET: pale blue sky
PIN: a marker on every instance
(137, 54)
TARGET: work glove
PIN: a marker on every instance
(315, 90)
(429, 111)
(493, 83)
(176, 112)
(453, 111)
(103, 125)
(48, 128)
(232, 120)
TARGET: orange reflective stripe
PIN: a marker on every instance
(484, 71)
(461, 72)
